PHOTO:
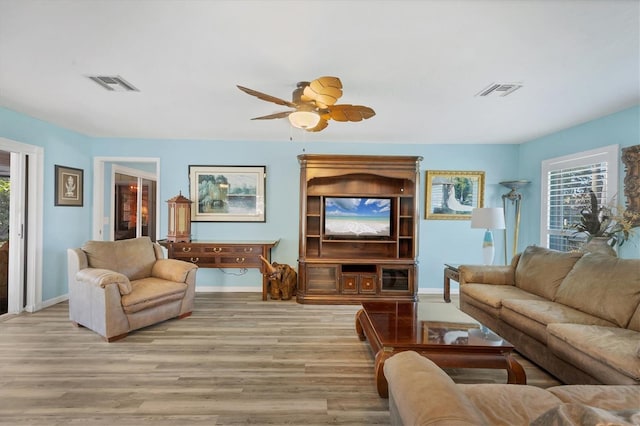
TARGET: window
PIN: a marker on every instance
(566, 181)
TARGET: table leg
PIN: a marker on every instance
(381, 382)
(515, 372)
(359, 329)
(447, 287)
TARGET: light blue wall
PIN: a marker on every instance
(63, 226)
(440, 241)
(622, 128)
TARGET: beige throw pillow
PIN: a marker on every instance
(603, 286)
(540, 270)
(134, 257)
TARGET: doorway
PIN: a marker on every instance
(22, 166)
(104, 190)
(5, 194)
(134, 204)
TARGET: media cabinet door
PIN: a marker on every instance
(322, 279)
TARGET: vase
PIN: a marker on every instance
(599, 245)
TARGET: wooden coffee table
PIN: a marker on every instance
(392, 327)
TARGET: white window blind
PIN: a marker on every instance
(566, 183)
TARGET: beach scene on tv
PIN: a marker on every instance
(357, 217)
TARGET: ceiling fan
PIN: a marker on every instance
(314, 105)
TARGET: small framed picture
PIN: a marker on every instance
(452, 195)
(69, 184)
(227, 193)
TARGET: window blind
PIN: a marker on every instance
(568, 193)
(566, 183)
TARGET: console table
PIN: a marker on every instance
(224, 254)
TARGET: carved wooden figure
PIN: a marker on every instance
(283, 279)
(631, 160)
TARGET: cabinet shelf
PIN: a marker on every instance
(330, 241)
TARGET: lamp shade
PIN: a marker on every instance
(488, 218)
(304, 119)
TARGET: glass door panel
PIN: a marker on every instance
(135, 204)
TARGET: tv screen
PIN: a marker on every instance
(357, 217)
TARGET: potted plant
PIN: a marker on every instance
(604, 226)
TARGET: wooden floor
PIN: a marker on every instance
(236, 361)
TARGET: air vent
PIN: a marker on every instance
(499, 89)
(114, 84)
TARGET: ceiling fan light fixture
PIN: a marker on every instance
(304, 119)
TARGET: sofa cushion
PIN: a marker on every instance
(489, 297)
(540, 270)
(503, 404)
(150, 292)
(581, 414)
(134, 257)
(603, 286)
(634, 322)
(607, 353)
(608, 397)
(533, 316)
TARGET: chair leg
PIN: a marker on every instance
(186, 314)
(114, 338)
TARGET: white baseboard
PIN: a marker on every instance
(253, 289)
(436, 291)
(227, 289)
(46, 303)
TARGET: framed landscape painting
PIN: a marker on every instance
(227, 193)
(452, 195)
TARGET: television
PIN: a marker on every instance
(353, 218)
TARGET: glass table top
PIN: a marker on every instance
(432, 324)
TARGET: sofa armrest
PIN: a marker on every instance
(421, 393)
(172, 270)
(103, 277)
(483, 274)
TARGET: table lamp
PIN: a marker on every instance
(488, 218)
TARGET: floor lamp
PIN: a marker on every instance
(515, 197)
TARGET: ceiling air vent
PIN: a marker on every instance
(114, 84)
(499, 89)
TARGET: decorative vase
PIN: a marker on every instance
(599, 245)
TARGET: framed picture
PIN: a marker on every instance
(227, 193)
(451, 195)
(69, 184)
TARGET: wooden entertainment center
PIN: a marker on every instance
(358, 267)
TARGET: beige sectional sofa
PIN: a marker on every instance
(119, 286)
(576, 315)
(420, 393)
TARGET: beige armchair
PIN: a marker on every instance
(120, 286)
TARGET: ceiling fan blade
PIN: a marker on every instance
(266, 97)
(348, 112)
(324, 91)
(322, 124)
(283, 114)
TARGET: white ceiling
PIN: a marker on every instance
(418, 64)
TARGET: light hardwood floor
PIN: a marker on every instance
(236, 361)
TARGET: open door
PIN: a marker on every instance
(24, 172)
(118, 210)
(134, 207)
